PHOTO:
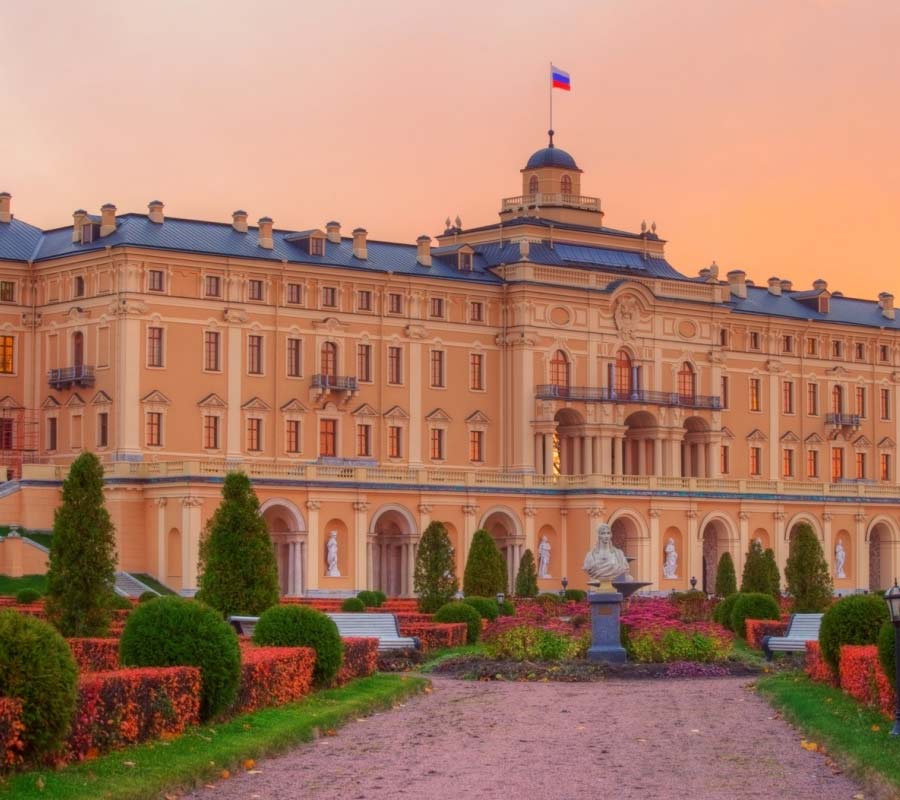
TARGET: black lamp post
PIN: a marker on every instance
(565, 583)
(693, 584)
(892, 598)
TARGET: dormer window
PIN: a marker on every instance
(465, 262)
(565, 185)
(316, 246)
(824, 303)
(88, 232)
(533, 185)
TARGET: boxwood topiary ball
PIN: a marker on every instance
(722, 611)
(27, 596)
(300, 626)
(752, 605)
(369, 599)
(461, 612)
(353, 605)
(851, 620)
(486, 607)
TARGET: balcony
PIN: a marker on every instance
(550, 199)
(843, 420)
(591, 394)
(66, 377)
(333, 384)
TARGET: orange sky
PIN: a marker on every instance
(761, 134)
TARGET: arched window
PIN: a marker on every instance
(329, 359)
(623, 373)
(559, 369)
(533, 185)
(837, 400)
(77, 349)
(565, 185)
(687, 381)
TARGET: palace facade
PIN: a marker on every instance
(532, 377)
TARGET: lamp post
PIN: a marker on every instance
(892, 598)
(500, 598)
(562, 593)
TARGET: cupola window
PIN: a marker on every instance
(533, 185)
(565, 184)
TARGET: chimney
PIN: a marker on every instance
(107, 219)
(5, 204)
(265, 233)
(78, 219)
(886, 303)
(423, 250)
(819, 285)
(775, 286)
(360, 250)
(786, 285)
(737, 283)
(239, 221)
(156, 212)
(333, 232)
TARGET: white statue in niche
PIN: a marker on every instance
(544, 558)
(670, 567)
(840, 556)
(331, 558)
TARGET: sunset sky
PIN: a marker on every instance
(761, 134)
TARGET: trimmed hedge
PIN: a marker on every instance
(11, 728)
(353, 605)
(95, 655)
(863, 678)
(851, 620)
(273, 676)
(461, 612)
(886, 652)
(360, 658)
(28, 596)
(752, 605)
(486, 607)
(436, 636)
(722, 612)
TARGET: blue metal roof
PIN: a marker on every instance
(551, 157)
(19, 240)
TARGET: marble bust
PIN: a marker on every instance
(605, 562)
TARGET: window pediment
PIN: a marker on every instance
(294, 406)
(478, 418)
(75, 401)
(790, 438)
(212, 400)
(256, 404)
(814, 438)
(50, 403)
(156, 397)
(365, 410)
(396, 413)
(101, 399)
(438, 415)
(756, 435)
(887, 443)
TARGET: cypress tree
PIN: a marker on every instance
(806, 573)
(772, 573)
(82, 573)
(756, 577)
(526, 580)
(726, 579)
(238, 570)
(485, 573)
(434, 578)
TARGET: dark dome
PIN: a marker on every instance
(551, 157)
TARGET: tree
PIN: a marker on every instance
(238, 571)
(485, 573)
(434, 578)
(526, 580)
(82, 573)
(806, 573)
(772, 573)
(726, 579)
(755, 577)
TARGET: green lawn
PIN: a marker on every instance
(451, 652)
(858, 737)
(12, 586)
(143, 577)
(148, 770)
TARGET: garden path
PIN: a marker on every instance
(704, 738)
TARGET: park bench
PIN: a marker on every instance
(383, 627)
(802, 628)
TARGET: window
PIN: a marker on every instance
(624, 373)
(723, 459)
(787, 463)
(812, 464)
(77, 349)
(837, 400)
(156, 281)
(754, 340)
(885, 466)
(476, 312)
(8, 291)
(476, 445)
(859, 351)
(210, 432)
(51, 433)
(395, 365)
(723, 337)
(437, 444)
(533, 185)
(7, 351)
(787, 344)
(687, 382)
(812, 399)
(755, 460)
(437, 369)
(255, 290)
(437, 307)
(6, 434)
(476, 371)
(103, 429)
(292, 445)
(883, 352)
(364, 362)
(87, 232)
(364, 300)
(154, 347)
(316, 246)
(255, 354)
(787, 397)
(860, 466)
(78, 289)
(329, 297)
(364, 440)
(294, 357)
(861, 401)
(254, 434)
(559, 369)
(885, 403)
(755, 395)
(211, 359)
(294, 294)
(837, 349)
(395, 303)
(394, 441)
(724, 397)
(212, 286)
(328, 437)
(837, 463)
(76, 428)
(465, 262)
(154, 429)
(565, 185)
(328, 366)
(812, 346)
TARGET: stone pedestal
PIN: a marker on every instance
(606, 641)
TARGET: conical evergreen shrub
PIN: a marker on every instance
(238, 571)
(772, 573)
(434, 578)
(806, 573)
(485, 573)
(82, 572)
(726, 579)
(755, 577)
(526, 580)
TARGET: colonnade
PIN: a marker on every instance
(292, 559)
(390, 565)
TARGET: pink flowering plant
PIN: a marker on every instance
(653, 631)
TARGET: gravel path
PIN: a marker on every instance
(706, 739)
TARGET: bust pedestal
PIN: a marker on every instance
(606, 641)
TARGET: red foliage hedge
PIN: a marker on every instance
(360, 659)
(271, 676)
(863, 678)
(436, 635)
(132, 705)
(11, 728)
(95, 655)
(816, 667)
(759, 628)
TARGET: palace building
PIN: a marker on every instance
(533, 377)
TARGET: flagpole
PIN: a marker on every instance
(551, 95)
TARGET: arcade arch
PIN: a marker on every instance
(631, 535)
(287, 529)
(718, 536)
(392, 547)
(506, 531)
(883, 539)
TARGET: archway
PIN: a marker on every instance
(632, 537)
(695, 449)
(641, 441)
(569, 443)
(505, 530)
(718, 537)
(392, 550)
(287, 529)
(883, 540)
(174, 573)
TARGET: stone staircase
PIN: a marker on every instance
(129, 586)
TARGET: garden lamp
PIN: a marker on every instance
(565, 583)
(500, 598)
(693, 584)
(892, 598)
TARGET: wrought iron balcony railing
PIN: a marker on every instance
(65, 377)
(843, 420)
(334, 383)
(603, 394)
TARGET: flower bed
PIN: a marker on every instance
(360, 659)
(435, 635)
(132, 705)
(816, 667)
(95, 655)
(677, 641)
(272, 676)
(757, 629)
(404, 617)
(863, 678)
(11, 728)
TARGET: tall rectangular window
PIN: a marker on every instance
(211, 358)
(154, 429)
(254, 434)
(724, 459)
(364, 440)
(329, 297)
(7, 353)
(860, 466)
(292, 434)
(476, 371)
(861, 400)
(885, 403)
(437, 369)
(51, 433)
(210, 432)
(812, 346)
(837, 463)
(754, 340)
(837, 349)
(395, 303)
(255, 355)
(156, 281)
(103, 429)
(755, 460)
(787, 344)
(328, 437)
(884, 352)
(885, 466)
(395, 365)
(812, 399)
(437, 444)
(213, 286)
(395, 435)
(860, 351)
(364, 362)
(812, 464)
(294, 358)
(364, 300)
(7, 291)
(724, 391)
(77, 420)
(787, 397)
(787, 463)
(255, 289)
(476, 446)
(476, 311)
(755, 394)
(437, 307)
(154, 347)
(294, 294)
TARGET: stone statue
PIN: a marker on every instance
(544, 558)
(840, 556)
(670, 566)
(332, 557)
(605, 562)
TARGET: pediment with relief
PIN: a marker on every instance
(756, 435)
(256, 404)
(438, 415)
(814, 438)
(101, 399)
(396, 413)
(862, 441)
(365, 410)
(478, 418)
(294, 406)
(8, 402)
(50, 403)
(212, 400)
(790, 437)
(887, 443)
(156, 397)
(75, 401)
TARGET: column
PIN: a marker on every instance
(360, 539)
(564, 542)
(695, 548)
(548, 453)
(301, 566)
(596, 455)
(780, 544)
(538, 451)
(685, 460)
(190, 540)
(469, 512)
(314, 563)
(677, 458)
(162, 561)
(404, 565)
(233, 358)
(412, 547)
(744, 542)
(622, 453)
(292, 569)
(522, 394)
(370, 565)
(129, 424)
(700, 459)
(530, 512)
(587, 455)
(656, 553)
(415, 404)
(658, 456)
(627, 456)
(863, 579)
(642, 456)
(564, 448)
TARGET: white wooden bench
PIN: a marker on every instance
(802, 628)
(383, 627)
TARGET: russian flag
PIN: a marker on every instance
(560, 79)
